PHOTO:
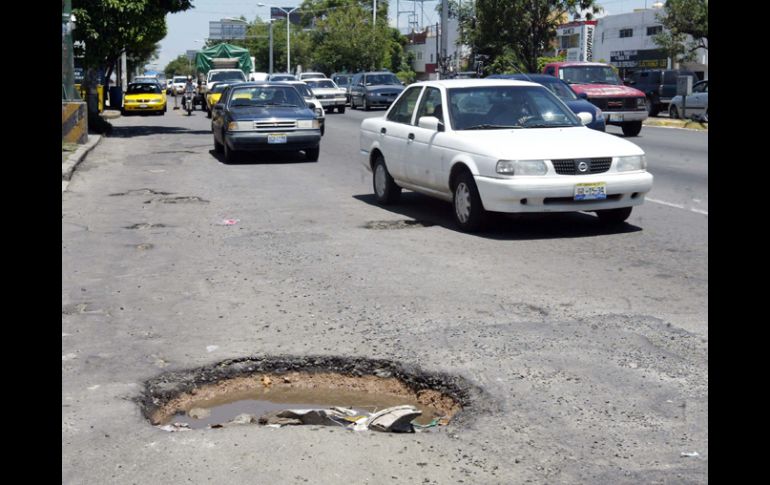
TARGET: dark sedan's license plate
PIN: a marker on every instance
(276, 139)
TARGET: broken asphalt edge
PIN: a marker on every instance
(68, 166)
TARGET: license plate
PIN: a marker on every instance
(592, 191)
(142, 105)
(616, 117)
(276, 139)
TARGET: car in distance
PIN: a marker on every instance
(282, 77)
(212, 97)
(264, 116)
(304, 76)
(329, 94)
(368, 89)
(500, 146)
(564, 92)
(144, 97)
(622, 105)
(697, 103)
(659, 85)
(310, 98)
(343, 81)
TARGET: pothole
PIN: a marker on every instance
(178, 200)
(144, 225)
(403, 224)
(140, 192)
(351, 393)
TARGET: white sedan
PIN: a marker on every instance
(329, 94)
(500, 146)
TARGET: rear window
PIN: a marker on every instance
(670, 77)
(228, 76)
(144, 88)
(265, 96)
(320, 83)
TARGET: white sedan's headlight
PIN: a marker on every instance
(634, 162)
(308, 124)
(522, 167)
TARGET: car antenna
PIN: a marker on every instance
(523, 73)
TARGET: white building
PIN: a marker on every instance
(425, 46)
(625, 41)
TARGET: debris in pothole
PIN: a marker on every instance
(199, 413)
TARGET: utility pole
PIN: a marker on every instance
(270, 36)
(444, 34)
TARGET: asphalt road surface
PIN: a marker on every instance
(591, 344)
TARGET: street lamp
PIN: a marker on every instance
(288, 24)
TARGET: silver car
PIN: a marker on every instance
(697, 103)
(306, 93)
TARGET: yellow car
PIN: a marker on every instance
(144, 97)
(212, 97)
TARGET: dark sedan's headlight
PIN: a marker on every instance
(598, 115)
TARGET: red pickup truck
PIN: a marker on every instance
(598, 83)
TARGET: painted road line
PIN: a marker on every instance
(677, 206)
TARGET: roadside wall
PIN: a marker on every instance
(74, 122)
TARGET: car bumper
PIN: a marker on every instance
(148, 107)
(340, 101)
(556, 194)
(375, 100)
(253, 141)
(615, 117)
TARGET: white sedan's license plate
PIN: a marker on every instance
(616, 117)
(592, 191)
(276, 139)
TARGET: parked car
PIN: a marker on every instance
(501, 146)
(564, 92)
(304, 76)
(697, 103)
(329, 94)
(659, 85)
(282, 77)
(622, 105)
(258, 76)
(310, 98)
(264, 116)
(343, 80)
(144, 97)
(370, 89)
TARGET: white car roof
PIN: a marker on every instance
(469, 83)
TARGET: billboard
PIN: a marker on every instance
(648, 58)
(227, 30)
(278, 14)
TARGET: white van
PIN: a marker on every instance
(258, 76)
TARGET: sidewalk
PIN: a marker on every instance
(69, 160)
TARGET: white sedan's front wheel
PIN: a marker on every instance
(468, 210)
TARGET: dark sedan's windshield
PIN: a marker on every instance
(589, 75)
(265, 96)
(504, 107)
(374, 79)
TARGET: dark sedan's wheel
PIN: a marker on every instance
(673, 112)
(208, 113)
(364, 104)
(341, 109)
(653, 108)
(614, 216)
(218, 146)
(312, 154)
(632, 128)
(352, 102)
(385, 188)
(229, 153)
(468, 210)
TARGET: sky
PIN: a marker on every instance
(185, 28)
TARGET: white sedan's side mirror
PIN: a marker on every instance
(430, 123)
(585, 118)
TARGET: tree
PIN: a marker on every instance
(688, 17)
(181, 66)
(519, 31)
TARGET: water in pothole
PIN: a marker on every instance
(258, 402)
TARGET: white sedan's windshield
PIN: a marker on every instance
(499, 107)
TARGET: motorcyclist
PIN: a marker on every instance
(189, 91)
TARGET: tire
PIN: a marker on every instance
(208, 113)
(385, 188)
(312, 154)
(468, 211)
(653, 108)
(352, 102)
(122, 112)
(706, 116)
(229, 154)
(218, 147)
(364, 104)
(323, 129)
(341, 109)
(614, 216)
(632, 128)
(673, 112)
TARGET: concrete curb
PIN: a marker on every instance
(68, 166)
(668, 123)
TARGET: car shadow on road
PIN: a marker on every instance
(134, 131)
(262, 158)
(555, 225)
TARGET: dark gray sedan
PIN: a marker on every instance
(264, 116)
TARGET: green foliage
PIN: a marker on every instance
(676, 46)
(407, 77)
(181, 66)
(519, 31)
(688, 17)
(542, 61)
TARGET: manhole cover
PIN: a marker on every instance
(351, 393)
